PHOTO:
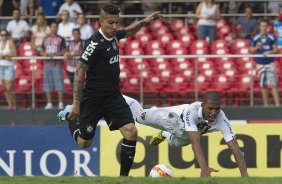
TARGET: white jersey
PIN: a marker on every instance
(180, 119)
(194, 121)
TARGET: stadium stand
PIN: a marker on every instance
(170, 81)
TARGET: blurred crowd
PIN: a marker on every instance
(64, 35)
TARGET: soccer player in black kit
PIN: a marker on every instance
(99, 95)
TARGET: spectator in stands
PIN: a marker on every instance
(149, 7)
(274, 6)
(51, 7)
(208, 13)
(72, 7)
(248, 25)
(130, 9)
(85, 29)
(53, 45)
(278, 29)
(66, 27)
(39, 31)
(7, 50)
(265, 43)
(74, 49)
(32, 10)
(17, 27)
(7, 5)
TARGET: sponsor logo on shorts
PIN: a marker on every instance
(143, 115)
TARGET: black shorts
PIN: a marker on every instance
(113, 108)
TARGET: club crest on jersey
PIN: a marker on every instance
(114, 45)
(143, 115)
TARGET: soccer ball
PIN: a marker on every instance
(161, 170)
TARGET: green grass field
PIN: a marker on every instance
(136, 180)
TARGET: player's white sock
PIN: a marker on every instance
(166, 134)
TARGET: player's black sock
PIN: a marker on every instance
(74, 128)
(126, 156)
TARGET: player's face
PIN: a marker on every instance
(109, 25)
(263, 27)
(210, 110)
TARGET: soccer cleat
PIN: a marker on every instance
(61, 116)
(157, 139)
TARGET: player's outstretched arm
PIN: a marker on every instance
(77, 88)
(194, 138)
(135, 27)
(239, 157)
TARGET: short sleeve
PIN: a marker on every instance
(89, 51)
(253, 42)
(225, 128)
(189, 118)
(120, 34)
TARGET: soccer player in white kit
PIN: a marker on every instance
(183, 124)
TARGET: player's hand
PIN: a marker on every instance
(152, 17)
(207, 172)
(74, 112)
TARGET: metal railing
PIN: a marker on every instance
(157, 56)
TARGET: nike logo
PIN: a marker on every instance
(130, 157)
(108, 49)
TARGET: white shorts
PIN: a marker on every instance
(163, 119)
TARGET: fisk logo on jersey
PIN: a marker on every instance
(89, 50)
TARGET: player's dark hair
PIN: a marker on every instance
(111, 9)
(211, 95)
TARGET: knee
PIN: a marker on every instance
(84, 143)
(130, 132)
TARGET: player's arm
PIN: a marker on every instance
(238, 155)
(194, 138)
(135, 27)
(78, 82)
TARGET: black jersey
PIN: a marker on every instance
(101, 54)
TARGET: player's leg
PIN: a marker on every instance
(163, 119)
(83, 129)
(173, 140)
(153, 117)
(135, 107)
(119, 117)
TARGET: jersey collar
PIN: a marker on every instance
(109, 39)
